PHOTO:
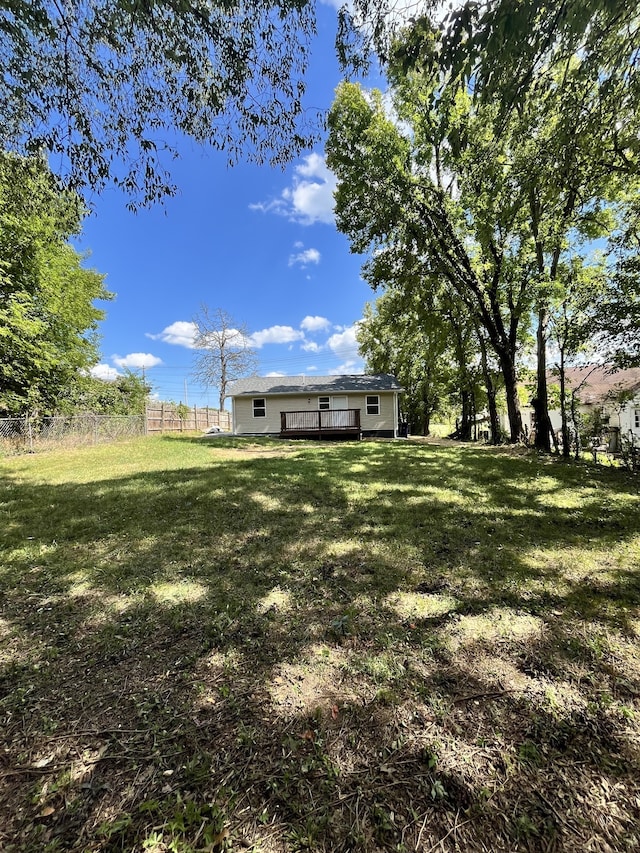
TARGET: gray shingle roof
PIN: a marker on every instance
(264, 386)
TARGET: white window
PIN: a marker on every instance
(636, 418)
(324, 403)
(373, 404)
(260, 408)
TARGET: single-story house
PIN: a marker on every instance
(614, 394)
(316, 406)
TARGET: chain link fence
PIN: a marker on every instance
(29, 435)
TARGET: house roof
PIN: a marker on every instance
(597, 384)
(265, 386)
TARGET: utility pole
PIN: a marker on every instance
(186, 396)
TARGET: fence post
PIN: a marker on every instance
(30, 434)
(146, 419)
(162, 417)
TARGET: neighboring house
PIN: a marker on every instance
(316, 406)
(615, 395)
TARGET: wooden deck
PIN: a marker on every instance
(326, 423)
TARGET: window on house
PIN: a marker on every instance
(373, 404)
(260, 408)
(324, 403)
(636, 418)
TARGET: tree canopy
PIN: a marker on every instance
(496, 182)
(125, 395)
(501, 49)
(48, 319)
(434, 190)
(615, 323)
(105, 86)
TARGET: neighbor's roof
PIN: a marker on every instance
(267, 385)
(597, 383)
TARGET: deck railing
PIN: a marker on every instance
(323, 421)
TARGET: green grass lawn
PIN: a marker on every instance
(237, 644)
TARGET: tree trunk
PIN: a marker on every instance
(494, 423)
(426, 408)
(575, 422)
(473, 416)
(465, 423)
(566, 449)
(508, 368)
(543, 421)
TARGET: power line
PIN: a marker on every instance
(325, 356)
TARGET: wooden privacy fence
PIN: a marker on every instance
(164, 417)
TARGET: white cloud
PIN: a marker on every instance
(304, 258)
(351, 365)
(311, 368)
(275, 373)
(276, 335)
(344, 340)
(310, 346)
(344, 343)
(315, 324)
(137, 360)
(309, 198)
(181, 333)
(104, 372)
(313, 166)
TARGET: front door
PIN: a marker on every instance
(340, 419)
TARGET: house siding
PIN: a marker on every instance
(384, 423)
(623, 419)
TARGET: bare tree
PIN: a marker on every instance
(225, 351)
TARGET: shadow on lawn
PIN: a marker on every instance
(347, 648)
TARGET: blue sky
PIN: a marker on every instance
(258, 242)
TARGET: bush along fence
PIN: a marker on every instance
(166, 417)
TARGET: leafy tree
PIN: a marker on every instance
(569, 71)
(125, 395)
(616, 318)
(570, 181)
(48, 319)
(525, 183)
(570, 326)
(396, 337)
(507, 47)
(225, 349)
(105, 85)
(430, 193)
